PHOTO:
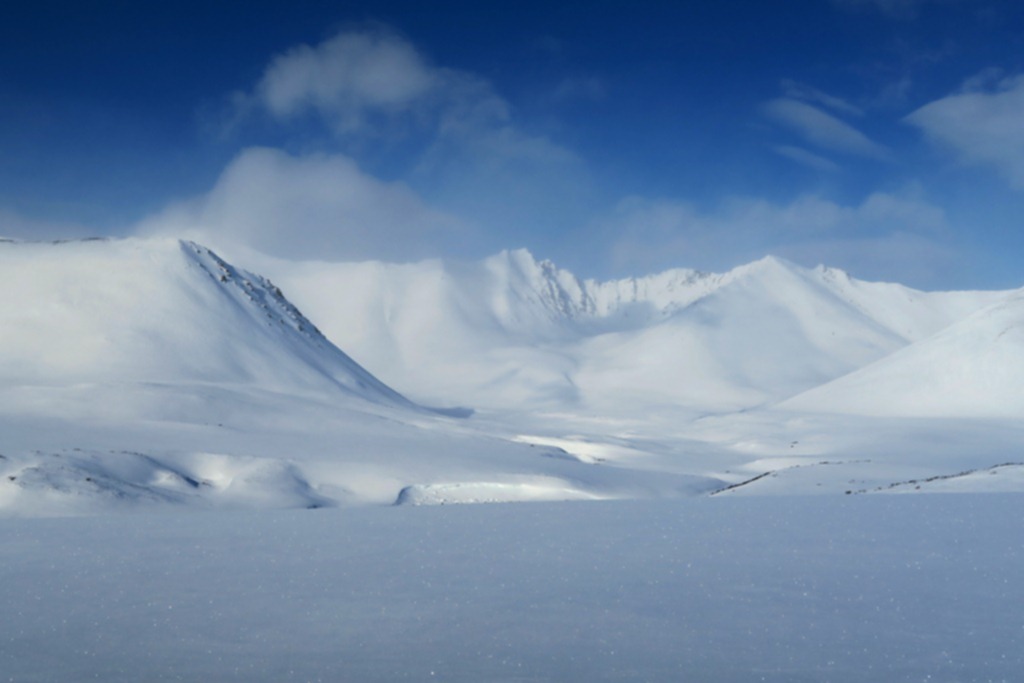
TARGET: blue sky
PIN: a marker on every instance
(885, 137)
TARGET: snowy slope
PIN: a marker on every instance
(159, 311)
(512, 332)
(974, 368)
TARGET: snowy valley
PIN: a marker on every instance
(152, 378)
(154, 372)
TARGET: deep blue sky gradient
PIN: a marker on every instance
(111, 111)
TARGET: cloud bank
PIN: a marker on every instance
(14, 225)
(310, 207)
(473, 165)
(885, 233)
(444, 131)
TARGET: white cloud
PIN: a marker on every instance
(905, 257)
(312, 207)
(806, 93)
(822, 129)
(890, 236)
(363, 84)
(347, 78)
(985, 80)
(359, 82)
(982, 126)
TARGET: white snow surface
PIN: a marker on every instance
(973, 368)
(847, 589)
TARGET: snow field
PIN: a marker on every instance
(844, 589)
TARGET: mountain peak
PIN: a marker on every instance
(160, 311)
(769, 264)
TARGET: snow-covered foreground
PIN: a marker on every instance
(848, 588)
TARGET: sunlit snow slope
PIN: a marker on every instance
(512, 332)
(973, 368)
(159, 312)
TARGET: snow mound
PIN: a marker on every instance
(77, 481)
(974, 368)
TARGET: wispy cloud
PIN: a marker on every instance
(887, 236)
(311, 207)
(822, 129)
(982, 124)
(588, 88)
(809, 159)
(800, 91)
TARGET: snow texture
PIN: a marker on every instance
(841, 589)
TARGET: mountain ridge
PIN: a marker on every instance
(160, 311)
(155, 372)
(528, 331)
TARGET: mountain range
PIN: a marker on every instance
(513, 333)
(154, 372)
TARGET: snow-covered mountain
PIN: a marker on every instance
(160, 312)
(511, 332)
(153, 372)
(973, 368)
(153, 375)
